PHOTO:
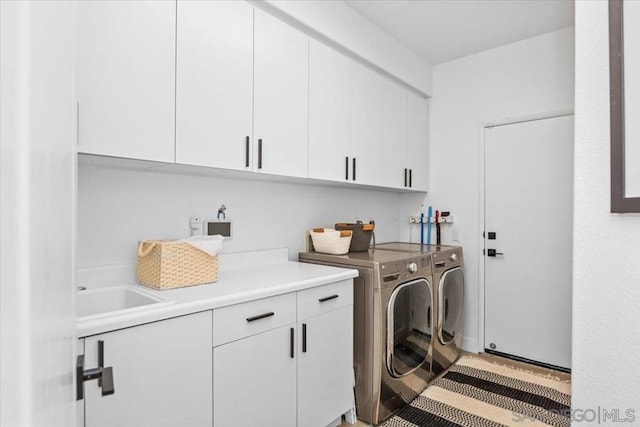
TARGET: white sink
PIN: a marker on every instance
(112, 301)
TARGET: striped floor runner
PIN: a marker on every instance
(479, 393)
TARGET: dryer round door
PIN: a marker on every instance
(451, 299)
(409, 327)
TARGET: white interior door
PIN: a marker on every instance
(529, 207)
(37, 215)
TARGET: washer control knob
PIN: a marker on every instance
(454, 257)
(412, 267)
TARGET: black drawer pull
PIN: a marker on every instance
(441, 264)
(260, 316)
(328, 298)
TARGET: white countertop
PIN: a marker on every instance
(234, 286)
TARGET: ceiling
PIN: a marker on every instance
(442, 30)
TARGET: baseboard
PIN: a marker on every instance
(470, 345)
(529, 361)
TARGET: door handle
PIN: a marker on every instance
(260, 153)
(405, 177)
(102, 374)
(493, 253)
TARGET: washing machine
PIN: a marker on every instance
(448, 297)
(394, 327)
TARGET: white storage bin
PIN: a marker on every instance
(330, 241)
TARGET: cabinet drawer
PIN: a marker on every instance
(242, 320)
(322, 299)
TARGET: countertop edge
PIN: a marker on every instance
(172, 309)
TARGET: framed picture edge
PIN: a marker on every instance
(619, 202)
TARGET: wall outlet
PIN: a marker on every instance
(195, 224)
(455, 235)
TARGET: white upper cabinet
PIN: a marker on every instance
(395, 171)
(328, 113)
(214, 84)
(281, 97)
(418, 136)
(125, 78)
(365, 125)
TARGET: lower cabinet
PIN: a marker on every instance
(282, 361)
(325, 367)
(285, 374)
(254, 381)
(161, 375)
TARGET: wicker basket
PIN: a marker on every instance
(171, 264)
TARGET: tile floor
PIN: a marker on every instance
(504, 361)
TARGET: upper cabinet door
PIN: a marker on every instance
(126, 78)
(395, 171)
(418, 135)
(281, 97)
(328, 113)
(214, 84)
(365, 130)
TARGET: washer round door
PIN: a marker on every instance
(451, 291)
(409, 327)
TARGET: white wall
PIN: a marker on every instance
(606, 269)
(339, 23)
(118, 207)
(37, 163)
(520, 79)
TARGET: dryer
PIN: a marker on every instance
(448, 297)
(448, 284)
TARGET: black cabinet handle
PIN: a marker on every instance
(100, 359)
(80, 377)
(291, 338)
(328, 298)
(346, 168)
(107, 381)
(246, 153)
(405, 177)
(410, 173)
(259, 153)
(260, 316)
(354, 169)
(304, 337)
(102, 374)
